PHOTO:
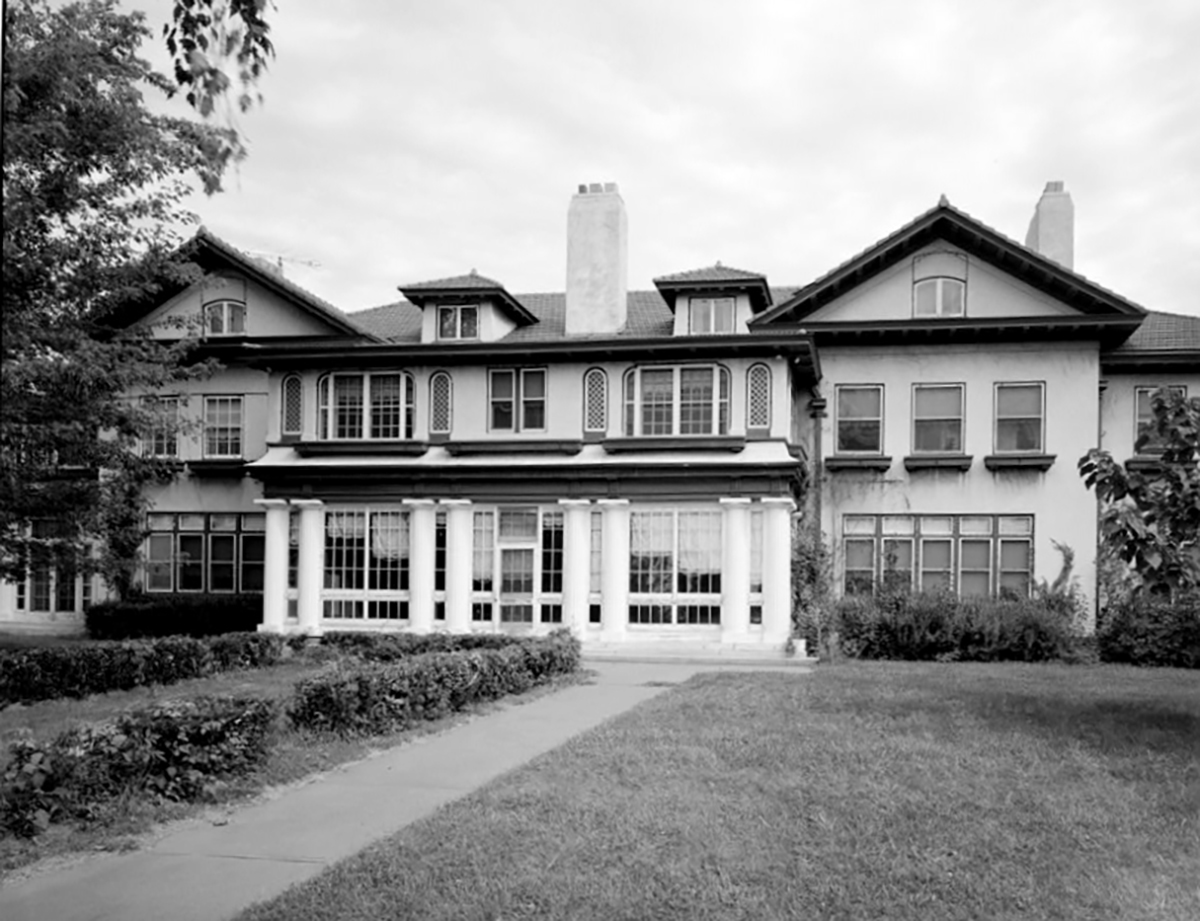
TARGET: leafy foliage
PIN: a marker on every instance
(176, 751)
(812, 574)
(94, 186)
(1151, 519)
(1144, 630)
(388, 647)
(165, 614)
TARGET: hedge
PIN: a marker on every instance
(934, 626)
(182, 750)
(1152, 632)
(379, 697)
(48, 672)
(388, 647)
(174, 615)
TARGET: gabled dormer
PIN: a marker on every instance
(714, 301)
(465, 309)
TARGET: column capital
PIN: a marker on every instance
(613, 503)
(734, 501)
(575, 503)
(455, 503)
(271, 503)
(418, 503)
(780, 501)
(308, 503)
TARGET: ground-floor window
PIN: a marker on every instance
(195, 552)
(969, 555)
(675, 567)
(52, 583)
(366, 564)
(517, 565)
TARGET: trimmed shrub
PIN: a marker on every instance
(182, 750)
(48, 672)
(378, 697)
(148, 615)
(388, 647)
(1146, 631)
(935, 626)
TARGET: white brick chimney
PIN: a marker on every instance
(597, 261)
(1052, 230)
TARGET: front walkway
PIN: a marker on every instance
(206, 872)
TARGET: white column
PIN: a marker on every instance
(614, 580)
(459, 536)
(735, 570)
(311, 569)
(421, 543)
(777, 568)
(275, 565)
(577, 563)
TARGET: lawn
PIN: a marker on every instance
(864, 790)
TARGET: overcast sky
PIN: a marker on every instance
(406, 141)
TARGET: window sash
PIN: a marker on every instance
(517, 400)
(711, 315)
(162, 435)
(859, 419)
(225, 318)
(223, 427)
(291, 419)
(939, 297)
(372, 407)
(458, 322)
(1019, 428)
(441, 400)
(938, 425)
(685, 400)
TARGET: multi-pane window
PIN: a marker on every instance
(378, 406)
(52, 581)
(675, 566)
(291, 411)
(939, 297)
(366, 564)
(859, 419)
(1019, 418)
(970, 555)
(758, 397)
(687, 400)
(225, 318)
(441, 403)
(517, 400)
(595, 401)
(1144, 411)
(162, 434)
(222, 426)
(937, 419)
(458, 322)
(518, 565)
(710, 315)
(221, 552)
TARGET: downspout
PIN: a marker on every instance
(816, 411)
(1099, 513)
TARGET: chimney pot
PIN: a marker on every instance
(582, 188)
(595, 187)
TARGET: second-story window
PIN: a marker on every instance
(595, 401)
(938, 419)
(1144, 409)
(859, 419)
(1019, 415)
(375, 407)
(677, 401)
(458, 322)
(291, 411)
(225, 318)
(222, 427)
(441, 403)
(758, 397)
(162, 433)
(517, 400)
(939, 297)
(710, 315)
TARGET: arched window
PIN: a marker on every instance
(441, 403)
(225, 318)
(595, 401)
(758, 397)
(292, 406)
(666, 400)
(375, 407)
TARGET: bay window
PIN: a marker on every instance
(370, 407)
(198, 552)
(675, 567)
(680, 400)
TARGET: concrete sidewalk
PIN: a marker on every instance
(206, 872)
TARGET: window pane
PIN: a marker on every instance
(469, 321)
(897, 524)
(221, 563)
(938, 402)
(1014, 554)
(860, 554)
(975, 525)
(1019, 401)
(502, 385)
(516, 572)
(695, 401)
(976, 554)
(518, 524)
(657, 402)
(1019, 435)
(348, 407)
(191, 563)
(385, 405)
(216, 318)
(939, 525)
(859, 436)
(859, 524)
(952, 297)
(237, 318)
(447, 323)
(253, 550)
(897, 555)
(702, 315)
(937, 436)
(935, 554)
(723, 315)
(975, 583)
(859, 402)
(925, 298)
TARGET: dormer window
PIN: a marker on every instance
(939, 297)
(711, 315)
(460, 322)
(225, 318)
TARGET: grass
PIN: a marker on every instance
(125, 824)
(864, 790)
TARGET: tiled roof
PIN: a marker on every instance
(1164, 332)
(648, 317)
(472, 281)
(713, 273)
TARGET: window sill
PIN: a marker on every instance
(1019, 461)
(217, 467)
(878, 462)
(458, 448)
(730, 443)
(938, 462)
(1144, 463)
(373, 448)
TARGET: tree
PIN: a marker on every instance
(1151, 519)
(94, 186)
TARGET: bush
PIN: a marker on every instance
(48, 672)
(379, 696)
(178, 751)
(1145, 631)
(929, 626)
(388, 647)
(172, 615)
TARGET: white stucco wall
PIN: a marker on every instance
(267, 314)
